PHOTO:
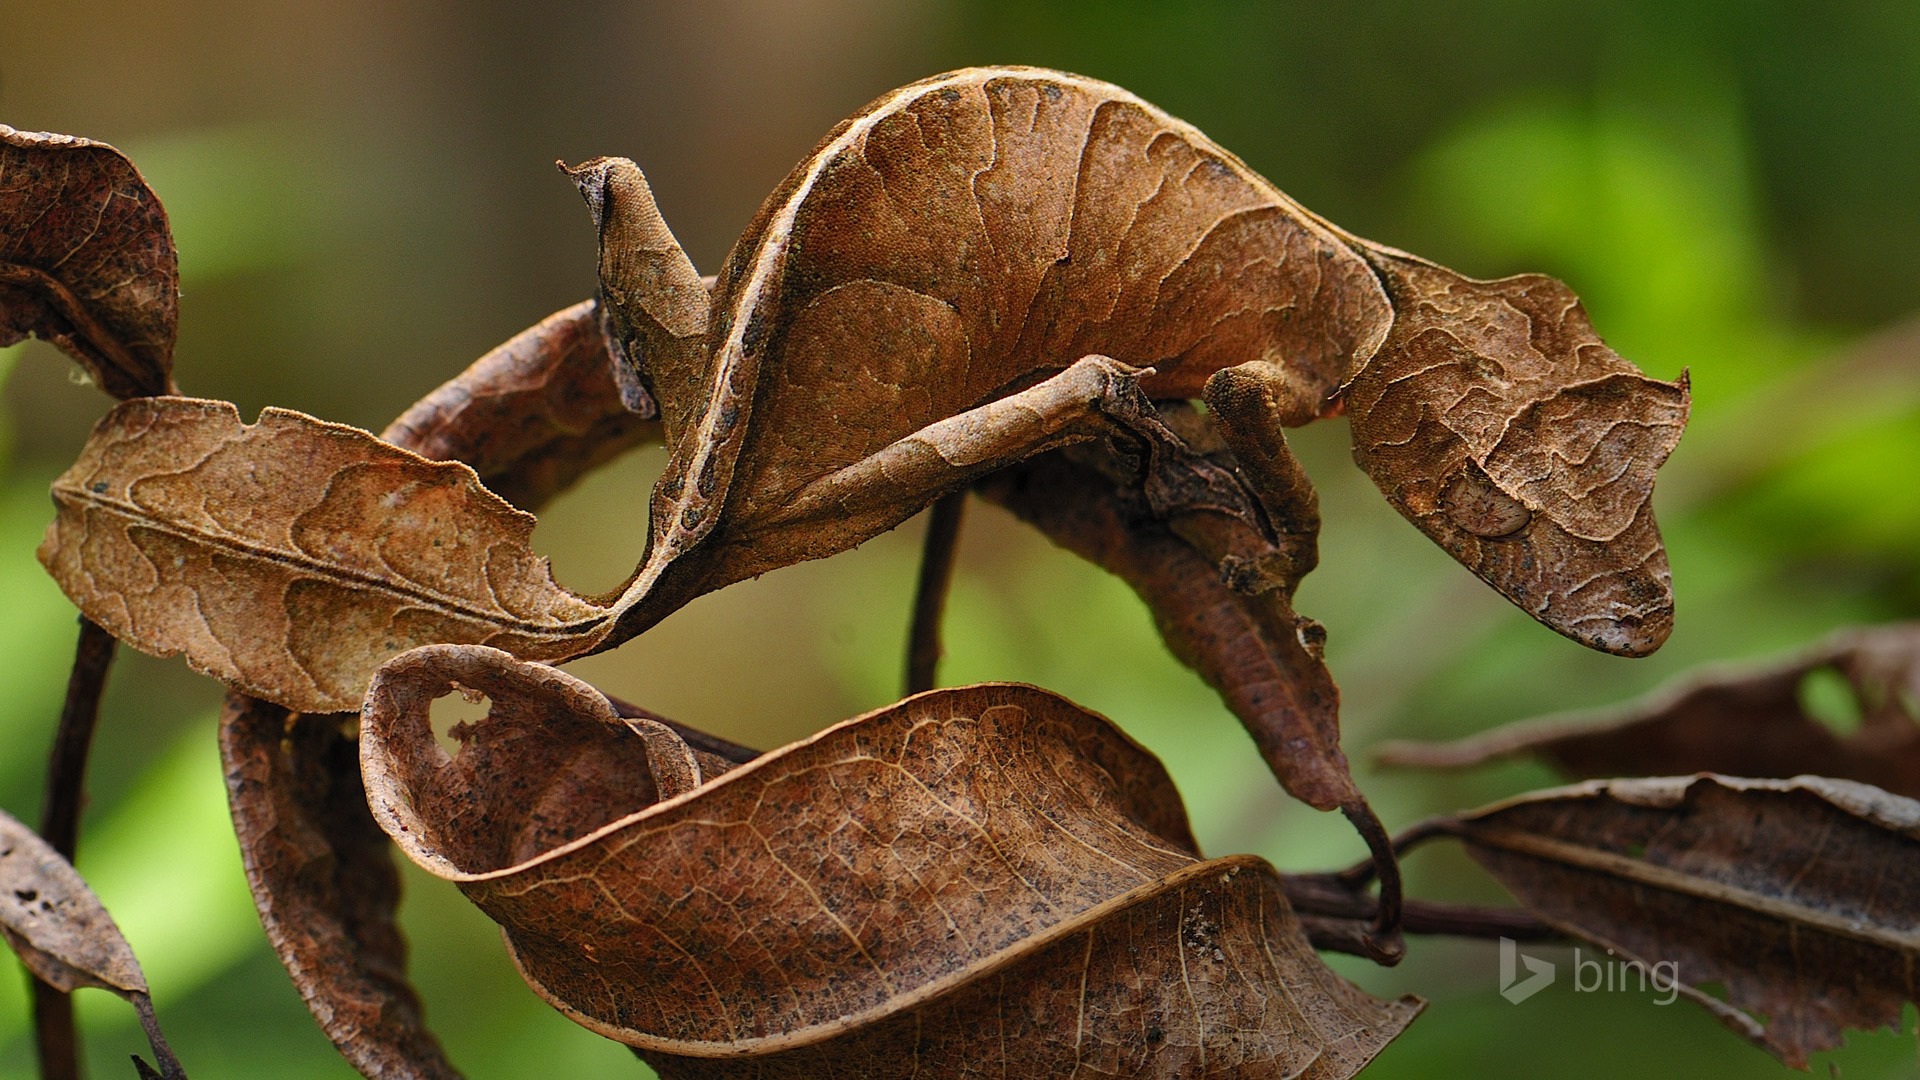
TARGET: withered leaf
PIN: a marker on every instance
(290, 557)
(1738, 720)
(874, 898)
(323, 880)
(1801, 897)
(52, 919)
(1264, 660)
(533, 415)
(86, 261)
(63, 934)
(1217, 568)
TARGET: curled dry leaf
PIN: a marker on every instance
(324, 883)
(1801, 897)
(63, 934)
(530, 416)
(1741, 721)
(1264, 660)
(86, 261)
(290, 557)
(1217, 569)
(873, 899)
(534, 415)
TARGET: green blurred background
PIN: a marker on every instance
(363, 201)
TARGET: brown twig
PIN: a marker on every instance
(1342, 917)
(1355, 877)
(55, 1038)
(169, 1065)
(930, 595)
(1382, 944)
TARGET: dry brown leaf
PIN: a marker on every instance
(990, 857)
(52, 919)
(324, 883)
(1218, 573)
(63, 934)
(1740, 721)
(290, 557)
(535, 414)
(1264, 660)
(531, 416)
(86, 261)
(1801, 897)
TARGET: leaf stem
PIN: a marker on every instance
(1340, 919)
(1382, 943)
(55, 1038)
(930, 595)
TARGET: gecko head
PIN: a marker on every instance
(1494, 419)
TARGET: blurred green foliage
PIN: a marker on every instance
(359, 206)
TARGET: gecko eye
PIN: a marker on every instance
(1472, 502)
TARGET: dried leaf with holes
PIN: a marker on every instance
(63, 934)
(1801, 897)
(1741, 720)
(86, 261)
(532, 415)
(870, 899)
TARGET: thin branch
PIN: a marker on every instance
(1356, 877)
(55, 1039)
(1382, 943)
(1326, 896)
(169, 1065)
(930, 596)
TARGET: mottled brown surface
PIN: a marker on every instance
(534, 415)
(1801, 897)
(288, 558)
(1242, 955)
(975, 269)
(86, 261)
(941, 861)
(1737, 720)
(324, 883)
(54, 921)
(960, 239)
(1496, 421)
(1264, 660)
